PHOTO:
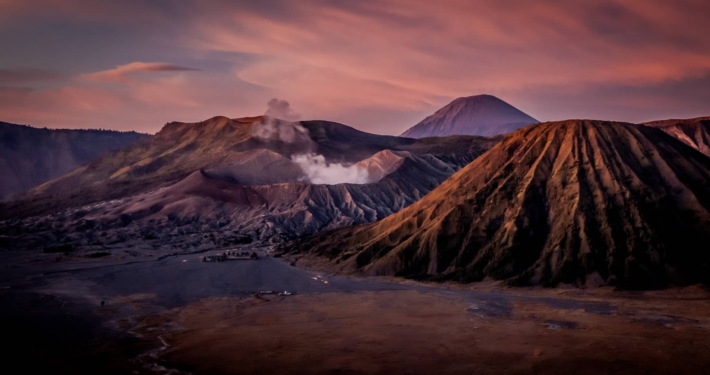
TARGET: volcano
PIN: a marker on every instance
(483, 115)
(207, 183)
(576, 202)
(275, 211)
(233, 148)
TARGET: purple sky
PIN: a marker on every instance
(378, 66)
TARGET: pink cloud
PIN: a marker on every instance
(411, 54)
(122, 72)
(391, 57)
(141, 102)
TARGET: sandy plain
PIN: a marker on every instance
(179, 315)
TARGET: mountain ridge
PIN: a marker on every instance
(180, 149)
(30, 156)
(265, 198)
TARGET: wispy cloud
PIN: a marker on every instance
(414, 55)
(122, 72)
(380, 66)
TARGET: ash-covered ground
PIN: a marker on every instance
(178, 314)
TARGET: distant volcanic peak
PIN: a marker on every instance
(564, 202)
(483, 99)
(483, 115)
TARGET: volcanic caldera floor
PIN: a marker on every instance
(179, 315)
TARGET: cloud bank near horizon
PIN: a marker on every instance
(379, 66)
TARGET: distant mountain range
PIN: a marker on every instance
(30, 156)
(240, 178)
(576, 202)
(483, 115)
(180, 149)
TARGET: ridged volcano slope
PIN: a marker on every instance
(272, 212)
(583, 202)
(259, 201)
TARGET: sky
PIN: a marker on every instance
(379, 66)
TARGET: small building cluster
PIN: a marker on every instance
(230, 255)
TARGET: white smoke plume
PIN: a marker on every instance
(273, 129)
(318, 171)
(280, 124)
(281, 109)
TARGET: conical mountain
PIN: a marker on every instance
(483, 115)
(581, 202)
(694, 132)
